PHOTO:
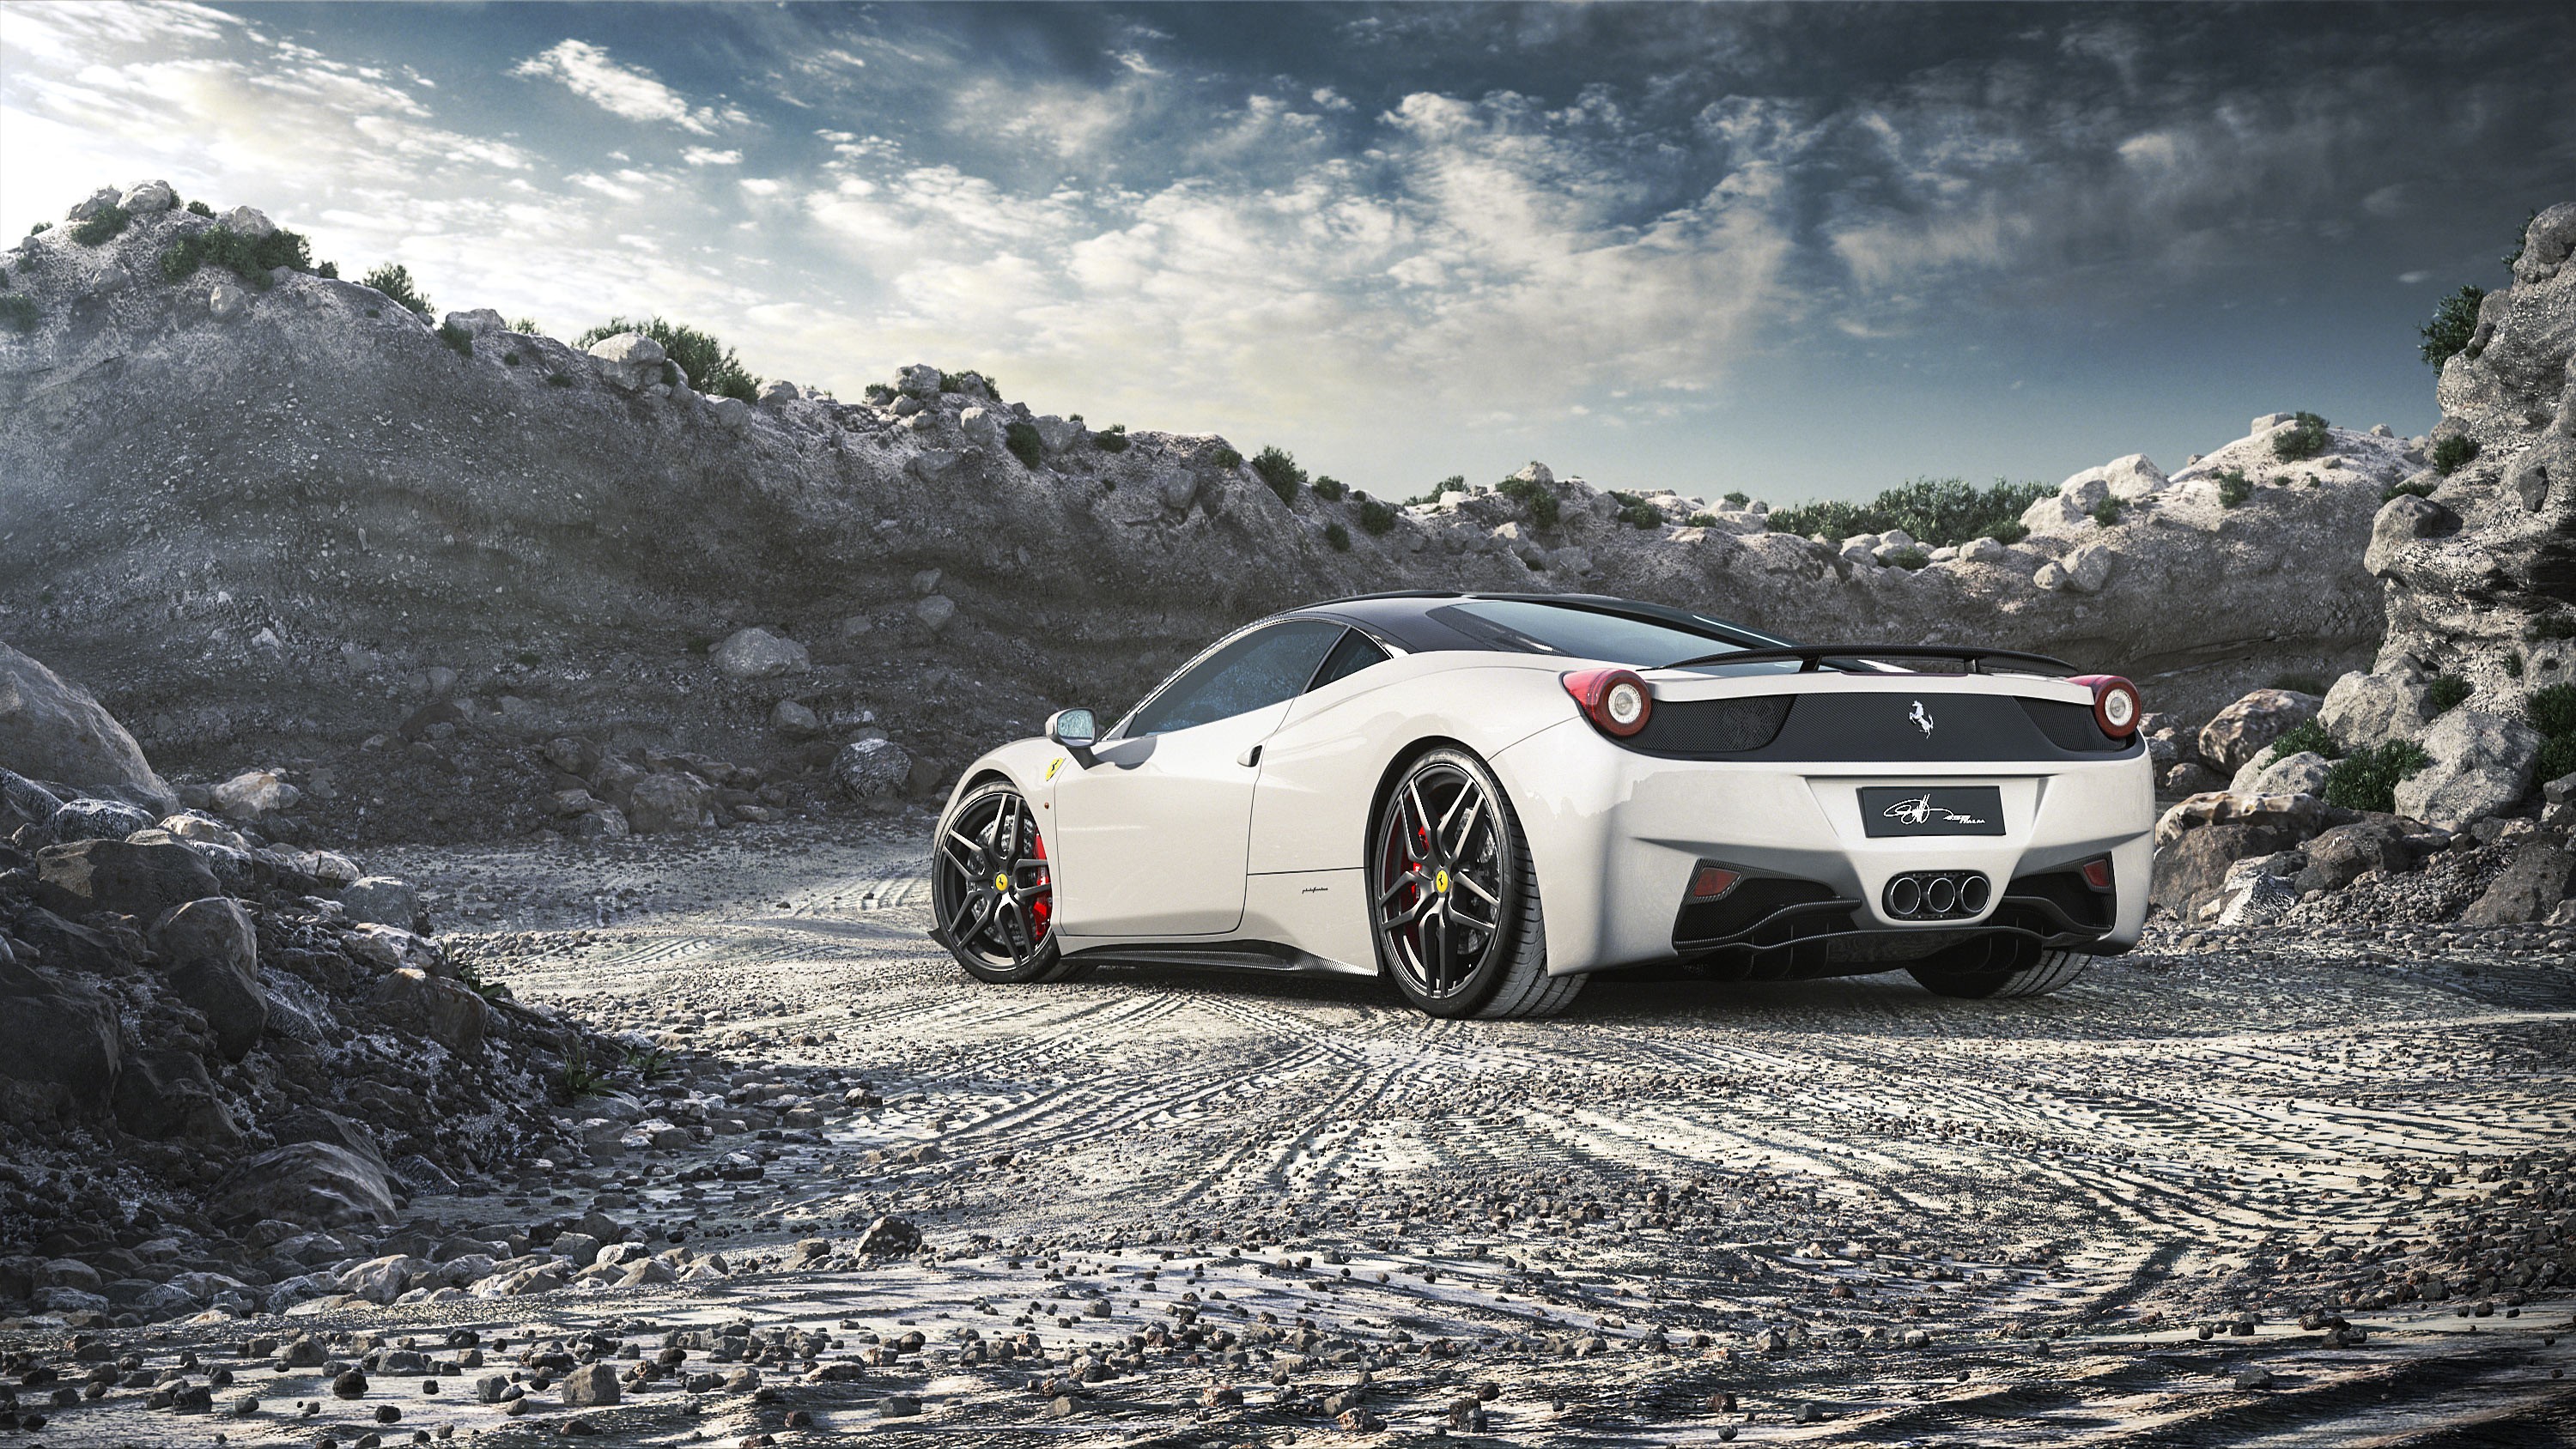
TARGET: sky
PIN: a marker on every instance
(1803, 251)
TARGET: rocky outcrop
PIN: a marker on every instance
(500, 536)
(52, 730)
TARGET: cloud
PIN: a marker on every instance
(701, 156)
(621, 90)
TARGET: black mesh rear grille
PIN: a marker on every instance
(2069, 726)
(1743, 907)
(2082, 905)
(1701, 728)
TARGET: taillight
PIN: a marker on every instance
(1615, 700)
(2097, 872)
(1712, 881)
(2115, 704)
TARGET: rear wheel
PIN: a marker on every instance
(992, 890)
(2045, 972)
(1456, 910)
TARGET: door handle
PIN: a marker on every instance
(1249, 757)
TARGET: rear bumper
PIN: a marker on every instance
(1616, 837)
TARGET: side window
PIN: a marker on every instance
(1355, 653)
(1261, 668)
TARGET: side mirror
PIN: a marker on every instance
(1074, 729)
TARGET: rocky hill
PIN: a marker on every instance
(276, 519)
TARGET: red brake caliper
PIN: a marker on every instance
(1040, 907)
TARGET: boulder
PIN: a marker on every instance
(2339, 856)
(2481, 764)
(590, 1385)
(759, 654)
(2400, 523)
(630, 360)
(447, 1012)
(382, 900)
(394, 948)
(24, 802)
(2303, 773)
(65, 946)
(983, 427)
(226, 302)
(867, 769)
(311, 1184)
(209, 955)
(2363, 711)
(112, 875)
(254, 793)
(248, 221)
(935, 612)
(920, 380)
(196, 825)
(2256, 890)
(59, 1045)
(2530, 888)
(166, 1094)
(477, 322)
(2243, 730)
(149, 197)
(1056, 434)
(2192, 871)
(51, 729)
(670, 800)
(90, 819)
(795, 721)
(778, 391)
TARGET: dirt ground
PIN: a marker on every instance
(1684, 1213)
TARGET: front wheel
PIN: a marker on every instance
(1456, 912)
(992, 891)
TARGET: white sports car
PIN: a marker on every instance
(1489, 796)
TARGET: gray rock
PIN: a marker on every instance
(209, 954)
(149, 197)
(311, 1184)
(166, 1094)
(92, 819)
(51, 729)
(2363, 711)
(226, 302)
(935, 612)
(2546, 244)
(112, 875)
(60, 1048)
(2402, 521)
(2529, 479)
(447, 1012)
(670, 800)
(2303, 773)
(869, 769)
(2481, 764)
(630, 360)
(382, 900)
(778, 392)
(254, 793)
(795, 721)
(982, 427)
(1980, 550)
(2530, 888)
(2243, 730)
(590, 1385)
(920, 380)
(248, 221)
(1056, 434)
(2340, 856)
(759, 654)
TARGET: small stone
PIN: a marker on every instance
(351, 1384)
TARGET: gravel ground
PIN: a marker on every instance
(2179, 1203)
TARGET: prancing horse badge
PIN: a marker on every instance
(1922, 719)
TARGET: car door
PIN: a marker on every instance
(1152, 833)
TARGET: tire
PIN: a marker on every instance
(1455, 906)
(2050, 971)
(1001, 936)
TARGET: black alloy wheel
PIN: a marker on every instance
(992, 890)
(1448, 881)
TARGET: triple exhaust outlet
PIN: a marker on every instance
(1937, 895)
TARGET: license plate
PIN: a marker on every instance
(1931, 810)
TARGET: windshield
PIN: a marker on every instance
(1531, 627)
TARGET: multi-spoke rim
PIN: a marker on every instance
(1443, 860)
(995, 894)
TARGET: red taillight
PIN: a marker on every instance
(1711, 882)
(2097, 872)
(1615, 700)
(2115, 704)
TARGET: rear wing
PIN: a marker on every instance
(1814, 657)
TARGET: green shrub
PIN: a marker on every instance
(2305, 438)
(1636, 512)
(2307, 736)
(394, 280)
(1700, 520)
(457, 338)
(105, 226)
(510, 359)
(2513, 664)
(2552, 711)
(1338, 536)
(878, 393)
(1909, 559)
(2455, 321)
(2405, 488)
(1377, 516)
(2447, 692)
(2368, 781)
(1279, 469)
(1228, 459)
(1330, 489)
(40, 228)
(2557, 757)
(19, 311)
(1113, 440)
(711, 366)
(2107, 512)
(200, 208)
(249, 258)
(1537, 497)
(1935, 511)
(524, 326)
(1454, 483)
(1023, 441)
(1742, 501)
(2453, 451)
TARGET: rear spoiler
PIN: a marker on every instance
(1814, 657)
